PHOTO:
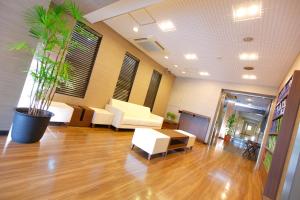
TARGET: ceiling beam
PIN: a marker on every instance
(118, 8)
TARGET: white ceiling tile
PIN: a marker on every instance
(206, 28)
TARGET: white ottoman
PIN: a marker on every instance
(151, 141)
(192, 138)
(102, 117)
(62, 112)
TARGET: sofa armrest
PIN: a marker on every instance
(118, 115)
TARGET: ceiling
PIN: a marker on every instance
(251, 116)
(207, 29)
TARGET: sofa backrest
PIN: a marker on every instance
(130, 109)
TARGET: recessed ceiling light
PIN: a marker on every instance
(248, 56)
(191, 56)
(249, 77)
(183, 72)
(204, 73)
(247, 11)
(166, 57)
(249, 99)
(248, 68)
(175, 66)
(166, 26)
(135, 29)
(248, 39)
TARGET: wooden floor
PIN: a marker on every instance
(85, 163)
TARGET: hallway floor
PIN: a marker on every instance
(85, 163)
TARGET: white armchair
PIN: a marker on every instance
(130, 116)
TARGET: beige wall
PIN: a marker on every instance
(13, 64)
(107, 68)
(202, 96)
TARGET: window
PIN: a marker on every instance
(82, 59)
(153, 89)
(249, 128)
(126, 78)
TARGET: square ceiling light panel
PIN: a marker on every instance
(247, 11)
(166, 26)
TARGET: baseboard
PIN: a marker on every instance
(4, 132)
(57, 124)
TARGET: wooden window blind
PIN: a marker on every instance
(126, 77)
(153, 89)
(81, 56)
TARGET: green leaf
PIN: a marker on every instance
(73, 10)
(19, 46)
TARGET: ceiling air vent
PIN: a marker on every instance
(149, 44)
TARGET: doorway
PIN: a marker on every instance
(241, 121)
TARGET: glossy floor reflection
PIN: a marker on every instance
(85, 163)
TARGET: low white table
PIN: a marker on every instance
(150, 140)
(160, 141)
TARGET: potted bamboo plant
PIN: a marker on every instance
(51, 28)
(230, 128)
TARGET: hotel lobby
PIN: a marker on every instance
(154, 99)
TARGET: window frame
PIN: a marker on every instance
(133, 77)
(68, 91)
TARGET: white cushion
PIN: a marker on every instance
(128, 120)
(131, 109)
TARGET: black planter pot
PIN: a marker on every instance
(27, 128)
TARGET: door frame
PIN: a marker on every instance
(212, 133)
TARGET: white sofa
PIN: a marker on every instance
(101, 116)
(130, 116)
(151, 141)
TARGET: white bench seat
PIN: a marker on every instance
(150, 140)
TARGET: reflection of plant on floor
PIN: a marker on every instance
(171, 116)
(230, 124)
